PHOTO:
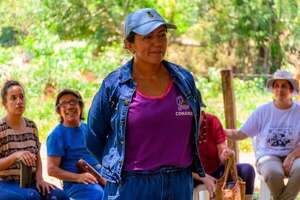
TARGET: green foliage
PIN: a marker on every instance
(8, 36)
(258, 32)
(101, 21)
(45, 65)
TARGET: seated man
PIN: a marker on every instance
(214, 152)
(66, 145)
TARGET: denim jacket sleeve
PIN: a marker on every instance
(98, 123)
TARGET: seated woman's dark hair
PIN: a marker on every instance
(71, 92)
(8, 84)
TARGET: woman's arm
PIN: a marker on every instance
(7, 161)
(224, 152)
(57, 172)
(42, 186)
(208, 181)
(26, 157)
(39, 170)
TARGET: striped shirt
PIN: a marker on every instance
(12, 141)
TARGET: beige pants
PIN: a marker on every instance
(270, 167)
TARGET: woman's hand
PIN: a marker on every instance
(209, 182)
(287, 164)
(28, 158)
(43, 186)
(86, 178)
(226, 152)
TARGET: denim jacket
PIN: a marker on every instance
(107, 117)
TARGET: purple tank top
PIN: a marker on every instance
(158, 131)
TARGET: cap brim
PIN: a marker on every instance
(146, 29)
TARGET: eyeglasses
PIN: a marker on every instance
(71, 102)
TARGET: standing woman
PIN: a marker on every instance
(19, 142)
(275, 129)
(144, 120)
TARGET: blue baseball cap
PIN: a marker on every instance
(144, 21)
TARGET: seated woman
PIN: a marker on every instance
(214, 152)
(275, 130)
(19, 142)
(66, 145)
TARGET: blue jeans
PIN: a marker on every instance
(80, 191)
(10, 190)
(7, 195)
(164, 184)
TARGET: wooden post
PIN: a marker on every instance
(229, 106)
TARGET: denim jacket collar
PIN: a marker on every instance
(126, 72)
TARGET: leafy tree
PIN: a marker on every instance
(259, 32)
(101, 21)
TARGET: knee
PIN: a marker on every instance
(295, 170)
(247, 172)
(273, 176)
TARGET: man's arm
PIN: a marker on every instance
(235, 134)
(289, 160)
(57, 172)
(85, 167)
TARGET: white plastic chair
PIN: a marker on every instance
(200, 193)
(264, 192)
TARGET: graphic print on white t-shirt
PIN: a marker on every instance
(280, 137)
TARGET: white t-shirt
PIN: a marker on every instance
(274, 131)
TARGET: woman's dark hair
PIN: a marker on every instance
(130, 37)
(71, 92)
(8, 84)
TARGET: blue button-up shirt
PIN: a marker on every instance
(109, 111)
